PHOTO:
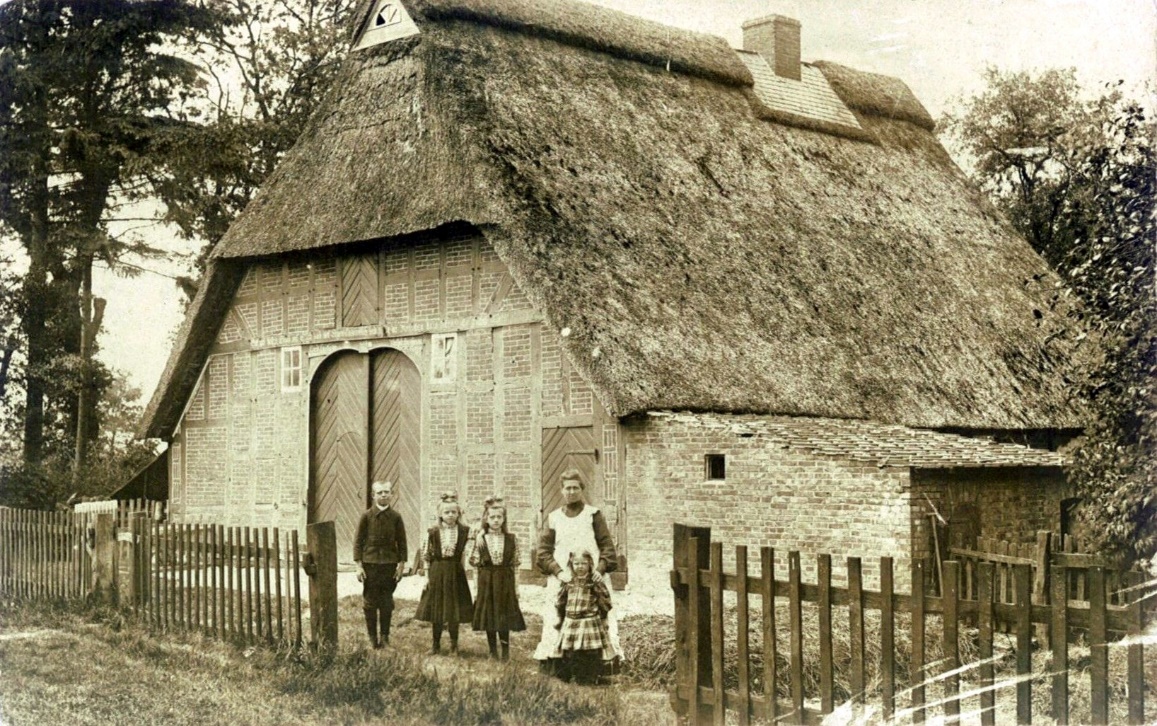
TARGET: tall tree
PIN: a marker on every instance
(269, 65)
(1078, 177)
(86, 89)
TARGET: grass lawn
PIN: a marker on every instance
(67, 666)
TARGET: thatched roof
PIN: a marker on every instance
(705, 253)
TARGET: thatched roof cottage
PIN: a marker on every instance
(519, 235)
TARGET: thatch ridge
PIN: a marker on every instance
(602, 29)
(876, 94)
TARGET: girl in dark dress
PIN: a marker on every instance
(446, 599)
(496, 557)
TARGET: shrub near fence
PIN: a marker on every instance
(700, 695)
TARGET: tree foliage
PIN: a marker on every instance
(1078, 177)
(269, 65)
(86, 90)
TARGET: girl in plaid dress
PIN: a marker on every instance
(583, 604)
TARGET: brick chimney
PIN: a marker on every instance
(776, 38)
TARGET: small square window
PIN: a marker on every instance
(291, 369)
(716, 465)
(444, 358)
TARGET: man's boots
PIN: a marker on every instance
(372, 626)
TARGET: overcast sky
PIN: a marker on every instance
(939, 47)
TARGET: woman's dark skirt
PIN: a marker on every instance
(446, 598)
(497, 605)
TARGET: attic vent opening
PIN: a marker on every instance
(715, 466)
(387, 20)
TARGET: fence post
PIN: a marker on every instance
(104, 566)
(1040, 583)
(685, 628)
(1135, 674)
(321, 541)
(128, 566)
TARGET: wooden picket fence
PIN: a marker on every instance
(1047, 552)
(235, 583)
(43, 555)
(702, 644)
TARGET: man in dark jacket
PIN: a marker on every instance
(380, 551)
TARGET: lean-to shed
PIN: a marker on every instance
(517, 232)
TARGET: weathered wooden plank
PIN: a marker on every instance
(1023, 579)
(887, 640)
(695, 616)
(1098, 648)
(1135, 669)
(824, 582)
(298, 638)
(278, 570)
(796, 615)
(719, 712)
(1060, 645)
(1080, 561)
(985, 617)
(231, 584)
(741, 636)
(247, 589)
(856, 627)
(768, 591)
(916, 672)
(268, 590)
(949, 589)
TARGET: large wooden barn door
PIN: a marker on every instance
(338, 489)
(563, 448)
(396, 393)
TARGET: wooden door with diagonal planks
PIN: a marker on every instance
(359, 297)
(563, 448)
(338, 461)
(395, 425)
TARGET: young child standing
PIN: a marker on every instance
(446, 599)
(583, 604)
(496, 557)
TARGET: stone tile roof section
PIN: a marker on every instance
(884, 445)
(811, 96)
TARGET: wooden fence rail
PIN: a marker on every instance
(235, 583)
(700, 696)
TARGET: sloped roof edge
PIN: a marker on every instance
(876, 94)
(602, 29)
(879, 444)
(197, 333)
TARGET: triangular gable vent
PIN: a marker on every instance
(388, 20)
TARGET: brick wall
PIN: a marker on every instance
(1012, 504)
(771, 496)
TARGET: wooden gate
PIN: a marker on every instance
(396, 393)
(338, 460)
(563, 448)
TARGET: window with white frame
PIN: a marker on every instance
(444, 358)
(291, 369)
